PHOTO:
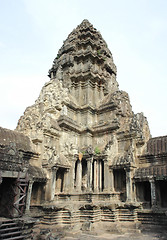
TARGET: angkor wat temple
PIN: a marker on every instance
(80, 156)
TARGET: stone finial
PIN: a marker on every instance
(86, 23)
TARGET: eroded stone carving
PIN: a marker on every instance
(83, 126)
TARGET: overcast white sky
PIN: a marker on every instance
(32, 31)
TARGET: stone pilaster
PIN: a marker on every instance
(79, 176)
(28, 198)
(129, 185)
(66, 183)
(53, 182)
(71, 176)
(89, 174)
(134, 191)
(48, 187)
(153, 193)
(111, 179)
(100, 175)
(95, 176)
(106, 177)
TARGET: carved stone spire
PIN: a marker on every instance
(83, 59)
(81, 105)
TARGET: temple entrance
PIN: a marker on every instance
(120, 182)
(162, 185)
(7, 197)
(89, 175)
(143, 193)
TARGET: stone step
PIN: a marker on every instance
(9, 229)
(10, 233)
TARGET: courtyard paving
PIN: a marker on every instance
(126, 236)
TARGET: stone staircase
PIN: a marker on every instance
(11, 229)
(152, 218)
(155, 222)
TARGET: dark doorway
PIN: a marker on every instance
(143, 193)
(84, 175)
(163, 193)
(76, 164)
(120, 182)
(7, 197)
(60, 180)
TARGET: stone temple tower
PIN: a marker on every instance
(85, 133)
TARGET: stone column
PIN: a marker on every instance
(28, 198)
(95, 176)
(89, 174)
(97, 179)
(153, 193)
(111, 180)
(100, 175)
(53, 182)
(48, 187)
(129, 185)
(106, 177)
(71, 176)
(134, 191)
(79, 176)
(66, 181)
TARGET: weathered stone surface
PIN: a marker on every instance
(82, 110)
(81, 105)
(95, 160)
